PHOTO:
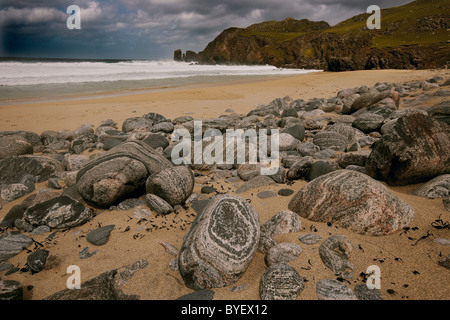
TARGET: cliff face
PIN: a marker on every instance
(413, 36)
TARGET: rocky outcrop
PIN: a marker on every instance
(348, 45)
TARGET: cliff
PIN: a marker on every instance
(413, 36)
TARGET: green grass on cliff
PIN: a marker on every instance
(400, 25)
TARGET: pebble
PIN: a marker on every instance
(281, 282)
(36, 260)
(208, 189)
(310, 239)
(283, 253)
(10, 290)
(84, 253)
(285, 192)
(364, 293)
(40, 230)
(445, 242)
(331, 289)
(100, 236)
(266, 194)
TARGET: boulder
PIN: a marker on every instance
(417, 149)
(58, 213)
(13, 243)
(220, 244)
(283, 222)
(352, 200)
(438, 187)
(11, 146)
(330, 140)
(118, 173)
(174, 185)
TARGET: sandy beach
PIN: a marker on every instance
(408, 262)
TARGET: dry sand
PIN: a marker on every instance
(409, 267)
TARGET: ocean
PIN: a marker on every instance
(27, 78)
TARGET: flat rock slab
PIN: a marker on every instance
(60, 212)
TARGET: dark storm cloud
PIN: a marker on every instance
(149, 28)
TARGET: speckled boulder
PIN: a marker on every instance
(281, 282)
(174, 185)
(220, 244)
(352, 200)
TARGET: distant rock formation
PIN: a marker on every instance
(413, 36)
(189, 56)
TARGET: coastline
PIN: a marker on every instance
(408, 272)
(206, 100)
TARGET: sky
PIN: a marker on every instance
(148, 29)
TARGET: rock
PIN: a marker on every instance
(287, 142)
(100, 236)
(319, 168)
(352, 200)
(208, 189)
(85, 254)
(174, 185)
(130, 203)
(300, 168)
(13, 243)
(205, 294)
(285, 192)
(110, 143)
(58, 213)
(335, 252)
(28, 136)
(445, 262)
(442, 241)
(368, 122)
(119, 173)
(362, 292)
(158, 205)
(220, 244)
(74, 162)
(13, 169)
(155, 117)
(416, 150)
(40, 230)
(279, 176)
(334, 290)
(281, 282)
(438, 187)
(36, 260)
(372, 97)
(54, 183)
(307, 148)
(83, 143)
(256, 182)
(13, 214)
(446, 203)
(282, 253)
(266, 194)
(106, 286)
(330, 140)
(10, 290)
(15, 191)
(283, 222)
(136, 123)
(440, 111)
(22, 225)
(39, 197)
(325, 154)
(310, 239)
(297, 131)
(247, 171)
(11, 146)
(265, 243)
(155, 141)
(358, 158)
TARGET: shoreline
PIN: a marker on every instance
(198, 100)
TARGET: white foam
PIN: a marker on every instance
(19, 73)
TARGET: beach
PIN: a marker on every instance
(408, 262)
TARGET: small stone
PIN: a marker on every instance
(335, 252)
(10, 290)
(283, 253)
(100, 236)
(157, 204)
(283, 222)
(84, 253)
(141, 212)
(442, 241)
(362, 292)
(54, 183)
(266, 194)
(265, 243)
(129, 204)
(36, 260)
(310, 239)
(445, 262)
(334, 290)
(40, 230)
(12, 244)
(281, 282)
(285, 192)
(318, 169)
(256, 182)
(22, 225)
(208, 189)
(205, 294)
